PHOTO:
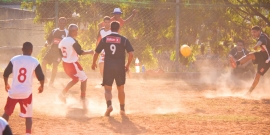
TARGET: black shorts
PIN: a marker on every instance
(52, 56)
(260, 58)
(114, 73)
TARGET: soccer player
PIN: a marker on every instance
(114, 46)
(23, 68)
(104, 31)
(261, 58)
(70, 49)
(52, 56)
(4, 127)
(117, 17)
(238, 52)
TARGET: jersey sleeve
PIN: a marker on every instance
(263, 39)
(100, 46)
(77, 47)
(8, 69)
(128, 46)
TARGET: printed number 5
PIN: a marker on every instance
(113, 48)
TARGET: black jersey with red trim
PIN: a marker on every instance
(265, 41)
(115, 47)
(56, 36)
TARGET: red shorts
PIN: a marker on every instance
(25, 106)
(75, 71)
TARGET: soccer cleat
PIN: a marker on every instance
(123, 113)
(108, 111)
(233, 62)
(62, 98)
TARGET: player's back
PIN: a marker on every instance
(115, 47)
(23, 69)
(68, 52)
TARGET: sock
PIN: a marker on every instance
(237, 63)
(82, 95)
(122, 107)
(28, 131)
(109, 103)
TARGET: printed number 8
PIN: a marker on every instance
(113, 48)
(22, 75)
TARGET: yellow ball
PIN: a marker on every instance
(185, 50)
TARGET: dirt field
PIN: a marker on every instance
(153, 106)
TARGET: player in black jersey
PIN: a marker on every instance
(115, 47)
(261, 58)
(53, 56)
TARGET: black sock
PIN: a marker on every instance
(237, 63)
(109, 103)
(122, 107)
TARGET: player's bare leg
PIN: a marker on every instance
(54, 72)
(121, 97)
(254, 84)
(28, 124)
(83, 92)
(5, 116)
(44, 68)
(62, 95)
(108, 97)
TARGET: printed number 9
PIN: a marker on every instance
(113, 48)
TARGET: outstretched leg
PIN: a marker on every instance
(254, 84)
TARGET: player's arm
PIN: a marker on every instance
(7, 72)
(7, 131)
(40, 77)
(77, 47)
(49, 39)
(130, 51)
(98, 50)
(131, 16)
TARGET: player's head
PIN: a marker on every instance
(27, 48)
(256, 31)
(73, 30)
(115, 26)
(62, 22)
(240, 45)
(106, 21)
(117, 13)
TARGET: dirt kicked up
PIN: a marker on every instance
(153, 106)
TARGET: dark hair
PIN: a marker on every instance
(257, 28)
(115, 25)
(106, 18)
(62, 18)
(241, 41)
(27, 46)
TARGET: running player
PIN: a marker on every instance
(117, 17)
(114, 46)
(70, 49)
(4, 127)
(261, 58)
(23, 68)
(101, 34)
(52, 56)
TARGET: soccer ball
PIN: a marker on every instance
(185, 50)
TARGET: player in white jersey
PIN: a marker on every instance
(4, 127)
(70, 49)
(23, 68)
(104, 31)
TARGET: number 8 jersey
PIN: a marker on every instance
(22, 67)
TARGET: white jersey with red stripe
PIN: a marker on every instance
(103, 34)
(23, 73)
(68, 52)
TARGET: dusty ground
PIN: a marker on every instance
(154, 106)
